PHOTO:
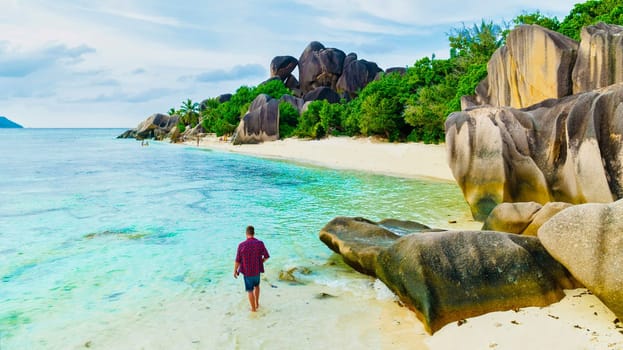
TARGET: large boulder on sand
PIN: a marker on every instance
(358, 240)
(156, 126)
(282, 66)
(588, 240)
(600, 58)
(566, 150)
(534, 65)
(448, 276)
(261, 123)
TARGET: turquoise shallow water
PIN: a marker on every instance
(92, 226)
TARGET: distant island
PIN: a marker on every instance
(6, 124)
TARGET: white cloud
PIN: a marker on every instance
(426, 12)
(114, 62)
(18, 63)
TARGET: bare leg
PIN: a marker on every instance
(256, 293)
(252, 301)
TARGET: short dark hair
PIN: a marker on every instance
(250, 230)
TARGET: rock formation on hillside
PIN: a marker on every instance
(448, 276)
(588, 240)
(534, 65)
(320, 66)
(565, 150)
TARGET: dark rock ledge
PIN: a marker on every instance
(446, 276)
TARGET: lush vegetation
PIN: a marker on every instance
(223, 118)
(591, 12)
(400, 107)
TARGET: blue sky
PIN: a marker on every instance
(112, 63)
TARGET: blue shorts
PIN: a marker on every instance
(251, 282)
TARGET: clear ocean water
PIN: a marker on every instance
(92, 227)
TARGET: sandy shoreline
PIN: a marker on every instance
(410, 160)
(579, 321)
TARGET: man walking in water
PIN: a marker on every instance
(250, 259)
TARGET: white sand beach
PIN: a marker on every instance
(298, 316)
(361, 154)
(293, 316)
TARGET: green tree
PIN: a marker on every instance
(309, 121)
(288, 118)
(591, 12)
(331, 117)
(273, 88)
(537, 17)
(476, 43)
(382, 103)
(223, 118)
(189, 113)
(428, 112)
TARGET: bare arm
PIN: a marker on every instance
(265, 255)
(236, 267)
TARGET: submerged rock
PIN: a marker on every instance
(116, 234)
(588, 240)
(289, 275)
(448, 276)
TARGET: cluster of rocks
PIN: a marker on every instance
(324, 74)
(156, 126)
(530, 139)
(541, 136)
(542, 133)
(446, 276)
(320, 67)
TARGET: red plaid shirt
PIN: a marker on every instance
(250, 256)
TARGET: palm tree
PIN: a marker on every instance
(189, 112)
(172, 111)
